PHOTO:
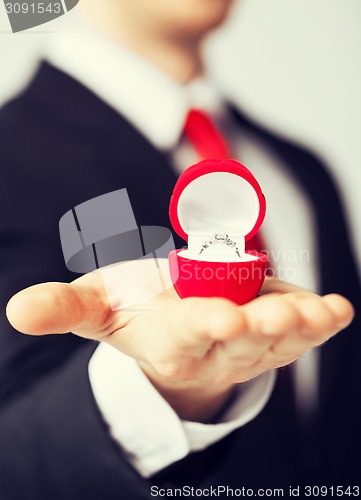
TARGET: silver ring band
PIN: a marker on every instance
(220, 238)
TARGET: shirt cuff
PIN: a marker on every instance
(145, 426)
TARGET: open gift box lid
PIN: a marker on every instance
(217, 196)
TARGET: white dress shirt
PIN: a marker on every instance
(147, 429)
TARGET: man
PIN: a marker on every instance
(209, 362)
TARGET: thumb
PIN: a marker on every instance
(58, 308)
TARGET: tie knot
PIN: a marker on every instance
(203, 134)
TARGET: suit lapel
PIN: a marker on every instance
(124, 157)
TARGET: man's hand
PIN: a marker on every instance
(193, 350)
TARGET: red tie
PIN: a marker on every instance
(209, 143)
(204, 136)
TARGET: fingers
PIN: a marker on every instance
(281, 327)
(175, 339)
(319, 319)
(271, 315)
(57, 308)
(321, 316)
(185, 325)
(341, 309)
(213, 319)
(267, 319)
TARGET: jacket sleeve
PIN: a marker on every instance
(54, 443)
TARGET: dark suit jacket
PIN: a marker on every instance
(61, 145)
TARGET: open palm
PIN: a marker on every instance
(195, 339)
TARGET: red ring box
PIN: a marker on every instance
(212, 199)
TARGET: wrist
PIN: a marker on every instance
(192, 400)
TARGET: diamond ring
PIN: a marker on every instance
(220, 238)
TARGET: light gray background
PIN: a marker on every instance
(294, 64)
